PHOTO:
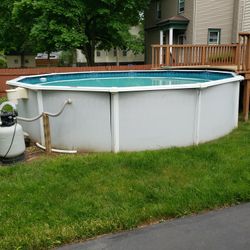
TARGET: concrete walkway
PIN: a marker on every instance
(223, 229)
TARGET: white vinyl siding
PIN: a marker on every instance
(189, 13)
(214, 14)
(246, 17)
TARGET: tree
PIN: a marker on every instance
(67, 58)
(13, 36)
(2, 60)
(52, 25)
(134, 41)
(87, 25)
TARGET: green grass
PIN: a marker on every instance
(56, 200)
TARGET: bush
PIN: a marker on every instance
(3, 63)
(67, 58)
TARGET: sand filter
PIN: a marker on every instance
(12, 145)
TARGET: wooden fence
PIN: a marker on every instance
(8, 74)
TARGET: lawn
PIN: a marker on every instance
(61, 199)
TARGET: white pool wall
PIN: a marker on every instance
(134, 119)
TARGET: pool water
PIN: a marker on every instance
(126, 79)
(125, 82)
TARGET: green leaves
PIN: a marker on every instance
(48, 25)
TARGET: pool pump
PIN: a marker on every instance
(12, 145)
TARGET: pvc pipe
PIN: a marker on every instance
(47, 113)
(57, 150)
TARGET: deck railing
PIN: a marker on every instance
(195, 55)
(244, 56)
(244, 69)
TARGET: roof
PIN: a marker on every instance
(176, 22)
(178, 18)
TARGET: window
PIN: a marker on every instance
(158, 9)
(124, 52)
(181, 6)
(214, 36)
(98, 53)
(16, 61)
(26, 61)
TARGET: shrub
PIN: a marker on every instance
(3, 63)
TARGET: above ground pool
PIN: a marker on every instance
(132, 110)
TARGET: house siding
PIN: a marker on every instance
(108, 57)
(216, 15)
(150, 38)
(14, 61)
(237, 19)
(188, 13)
(169, 8)
(230, 16)
(150, 15)
(246, 16)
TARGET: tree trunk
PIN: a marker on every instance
(117, 57)
(48, 58)
(89, 52)
(22, 60)
(91, 56)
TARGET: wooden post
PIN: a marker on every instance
(153, 57)
(248, 53)
(157, 60)
(246, 97)
(203, 55)
(167, 56)
(186, 59)
(245, 37)
(47, 136)
(237, 56)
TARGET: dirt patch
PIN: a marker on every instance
(33, 153)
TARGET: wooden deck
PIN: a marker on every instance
(233, 57)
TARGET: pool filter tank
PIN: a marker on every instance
(12, 145)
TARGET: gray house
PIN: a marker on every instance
(195, 22)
